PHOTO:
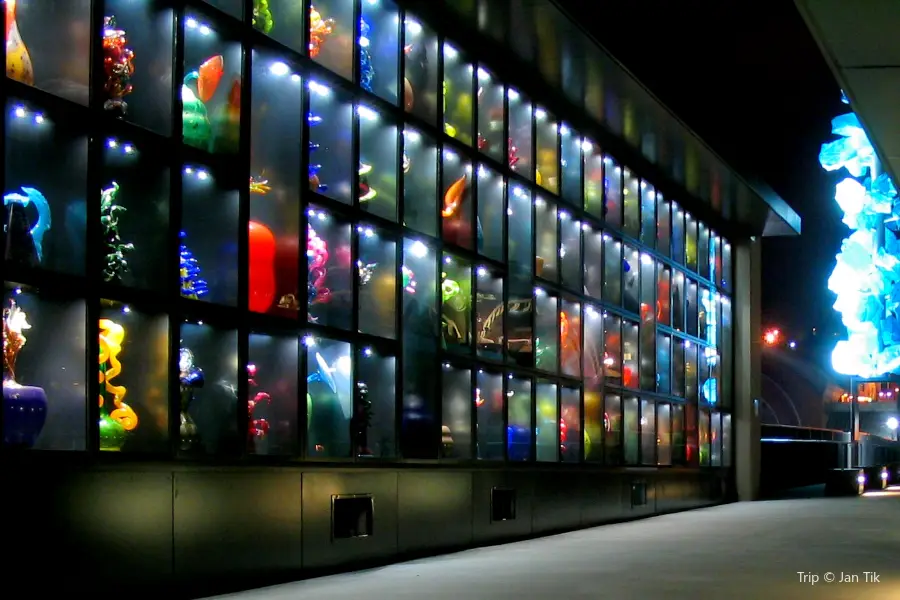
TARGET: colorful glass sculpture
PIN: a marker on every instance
(116, 423)
(115, 264)
(227, 123)
(262, 16)
(366, 191)
(366, 68)
(190, 379)
(18, 61)
(24, 406)
(195, 126)
(118, 65)
(193, 286)
(512, 155)
(25, 241)
(314, 183)
(258, 428)
(261, 267)
(317, 257)
(319, 30)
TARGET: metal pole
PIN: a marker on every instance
(854, 423)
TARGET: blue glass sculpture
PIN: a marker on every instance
(366, 69)
(16, 203)
(866, 277)
(192, 284)
(314, 183)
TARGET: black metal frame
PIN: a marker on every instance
(247, 323)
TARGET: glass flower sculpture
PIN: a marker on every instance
(118, 66)
(258, 428)
(317, 257)
(319, 30)
(866, 278)
(116, 423)
(24, 406)
(193, 286)
(115, 264)
(25, 241)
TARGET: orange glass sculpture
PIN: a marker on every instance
(18, 61)
(211, 72)
(261, 266)
(319, 30)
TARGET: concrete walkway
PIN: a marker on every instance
(737, 551)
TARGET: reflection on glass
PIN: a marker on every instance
(272, 395)
(420, 348)
(715, 441)
(379, 49)
(613, 430)
(44, 221)
(648, 289)
(703, 437)
(690, 371)
(490, 115)
(631, 204)
(232, 7)
(593, 261)
(48, 46)
(631, 430)
(726, 440)
(691, 441)
(678, 346)
(727, 353)
(677, 233)
(208, 371)
(594, 182)
(593, 346)
(690, 242)
(612, 349)
(570, 424)
(692, 310)
(648, 432)
(519, 144)
(570, 338)
(329, 397)
(678, 445)
(547, 422)
(715, 258)
(376, 270)
(329, 271)
(377, 164)
(663, 435)
(546, 172)
(43, 372)
(612, 270)
(489, 415)
(491, 211)
(520, 254)
(570, 165)
(678, 301)
(420, 71)
(663, 293)
(209, 232)
(648, 215)
(725, 270)
(135, 197)
(571, 264)
(612, 193)
(330, 142)
(631, 289)
(457, 208)
(545, 223)
(456, 404)
(663, 225)
(420, 181)
(518, 432)
(629, 354)
(143, 95)
(458, 91)
(211, 90)
(663, 363)
(372, 423)
(546, 331)
(134, 380)
(331, 34)
(275, 183)
(489, 313)
(456, 304)
(703, 251)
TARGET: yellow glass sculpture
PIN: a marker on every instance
(116, 423)
(18, 61)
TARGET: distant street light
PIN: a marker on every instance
(792, 344)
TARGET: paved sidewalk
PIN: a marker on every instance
(747, 551)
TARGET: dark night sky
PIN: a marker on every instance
(748, 78)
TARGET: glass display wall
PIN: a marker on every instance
(483, 282)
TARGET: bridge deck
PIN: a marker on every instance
(736, 551)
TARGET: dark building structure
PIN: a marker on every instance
(531, 291)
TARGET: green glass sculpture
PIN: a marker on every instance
(262, 16)
(115, 264)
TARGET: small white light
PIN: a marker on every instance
(539, 114)
(188, 170)
(367, 351)
(279, 69)
(199, 322)
(538, 291)
(563, 215)
(363, 41)
(482, 172)
(20, 111)
(483, 75)
(318, 88)
(295, 78)
(450, 155)
(205, 30)
(111, 143)
(646, 259)
(411, 136)
(39, 118)
(448, 260)
(418, 249)
(309, 341)
(126, 310)
(586, 146)
(413, 27)
(322, 216)
(512, 94)
(450, 52)
(482, 272)
(861, 479)
(563, 130)
(128, 149)
(18, 291)
(191, 22)
(202, 175)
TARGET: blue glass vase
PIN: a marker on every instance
(24, 414)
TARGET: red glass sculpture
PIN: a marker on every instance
(262, 267)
